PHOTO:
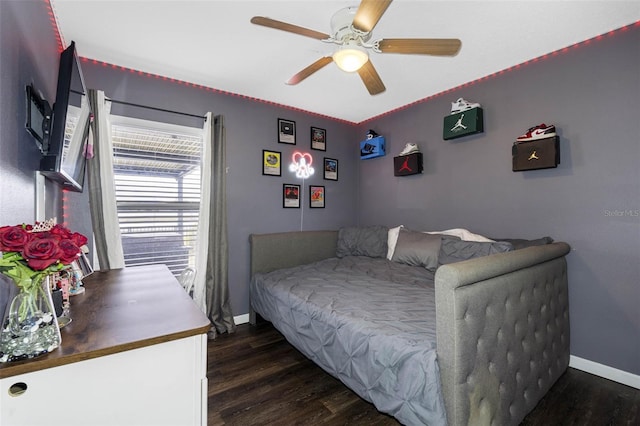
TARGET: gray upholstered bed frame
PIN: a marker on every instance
(502, 322)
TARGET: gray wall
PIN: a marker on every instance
(28, 53)
(254, 200)
(591, 94)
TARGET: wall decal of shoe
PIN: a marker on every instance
(540, 131)
(409, 148)
(462, 105)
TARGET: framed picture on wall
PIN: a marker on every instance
(330, 169)
(290, 196)
(318, 139)
(286, 131)
(271, 164)
(316, 197)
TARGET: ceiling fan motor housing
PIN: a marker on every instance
(342, 30)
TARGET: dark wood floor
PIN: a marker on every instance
(257, 378)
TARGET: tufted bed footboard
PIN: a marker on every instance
(502, 332)
(502, 322)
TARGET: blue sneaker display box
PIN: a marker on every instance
(372, 148)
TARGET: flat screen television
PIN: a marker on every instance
(64, 159)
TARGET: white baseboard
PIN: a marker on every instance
(241, 319)
(605, 371)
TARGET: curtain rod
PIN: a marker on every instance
(156, 109)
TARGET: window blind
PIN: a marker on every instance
(157, 180)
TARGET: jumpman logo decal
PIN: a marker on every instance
(533, 156)
(458, 126)
(405, 165)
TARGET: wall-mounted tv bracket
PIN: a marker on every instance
(38, 121)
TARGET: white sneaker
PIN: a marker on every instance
(409, 148)
(462, 105)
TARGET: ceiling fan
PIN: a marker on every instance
(351, 30)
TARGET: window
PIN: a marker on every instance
(157, 179)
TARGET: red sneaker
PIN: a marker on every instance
(540, 131)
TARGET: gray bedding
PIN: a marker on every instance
(369, 322)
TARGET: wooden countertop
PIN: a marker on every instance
(120, 310)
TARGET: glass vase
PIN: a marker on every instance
(31, 327)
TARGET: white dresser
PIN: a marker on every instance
(134, 354)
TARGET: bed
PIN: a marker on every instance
(476, 341)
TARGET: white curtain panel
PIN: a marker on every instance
(202, 244)
(102, 192)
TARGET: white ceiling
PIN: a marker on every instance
(213, 44)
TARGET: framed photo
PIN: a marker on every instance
(330, 169)
(318, 139)
(286, 131)
(271, 164)
(290, 196)
(316, 197)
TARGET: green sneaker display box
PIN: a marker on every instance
(463, 123)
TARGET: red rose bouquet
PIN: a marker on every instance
(31, 252)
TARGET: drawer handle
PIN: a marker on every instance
(17, 389)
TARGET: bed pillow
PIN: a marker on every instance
(519, 243)
(417, 249)
(392, 239)
(464, 234)
(453, 249)
(362, 241)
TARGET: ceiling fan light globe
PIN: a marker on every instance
(349, 59)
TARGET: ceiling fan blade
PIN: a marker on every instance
(369, 13)
(316, 66)
(421, 46)
(371, 79)
(279, 25)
